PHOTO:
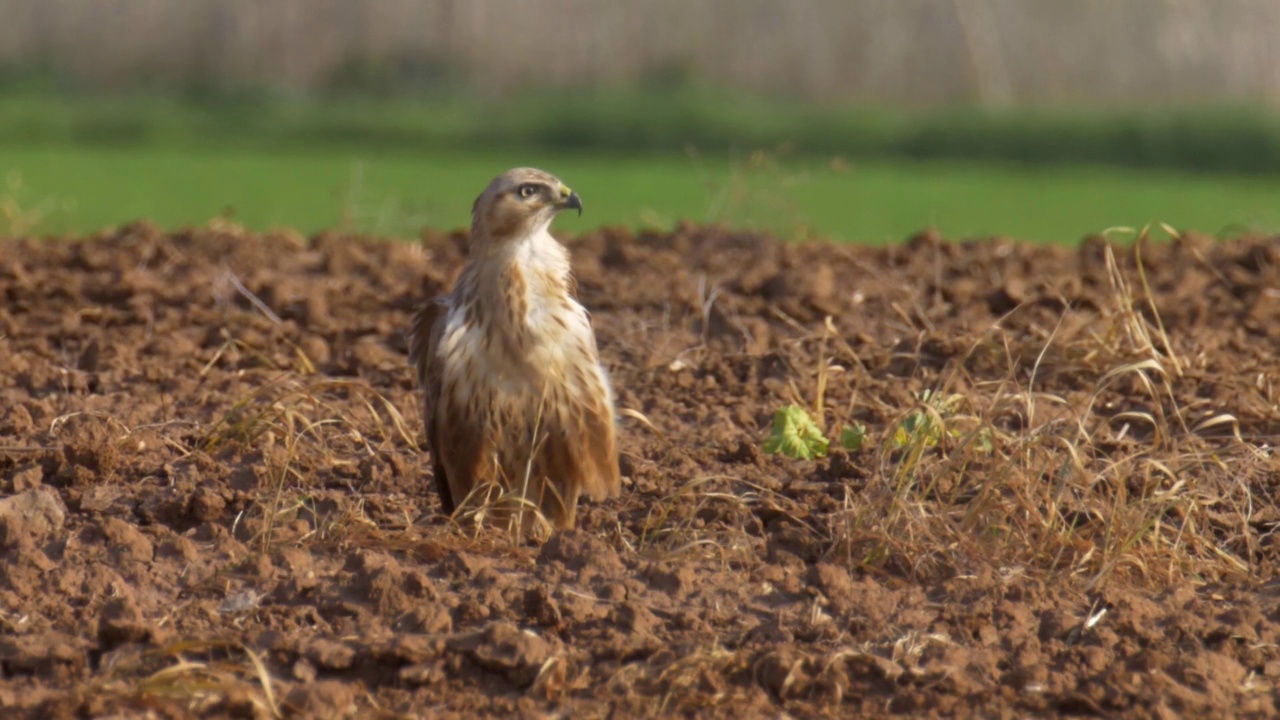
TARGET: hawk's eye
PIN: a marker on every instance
(528, 190)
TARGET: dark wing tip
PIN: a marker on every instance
(422, 335)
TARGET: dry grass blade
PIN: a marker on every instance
(490, 505)
(230, 277)
(668, 528)
(264, 678)
(642, 419)
(1151, 303)
(1218, 420)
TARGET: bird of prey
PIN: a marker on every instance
(516, 402)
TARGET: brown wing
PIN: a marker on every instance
(579, 455)
(424, 338)
(598, 427)
(600, 455)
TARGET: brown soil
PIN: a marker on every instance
(216, 504)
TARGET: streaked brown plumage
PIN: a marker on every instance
(514, 393)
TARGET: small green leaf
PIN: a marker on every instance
(851, 438)
(796, 435)
(916, 427)
(984, 441)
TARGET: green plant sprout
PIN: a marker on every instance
(796, 435)
(852, 437)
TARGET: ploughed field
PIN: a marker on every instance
(1048, 486)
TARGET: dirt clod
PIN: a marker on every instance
(504, 648)
(322, 699)
(30, 516)
(121, 622)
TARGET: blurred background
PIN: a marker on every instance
(859, 120)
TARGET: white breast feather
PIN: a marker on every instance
(540, 257)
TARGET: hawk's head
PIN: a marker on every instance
(521, 202)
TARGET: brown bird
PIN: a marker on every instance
(516, 403)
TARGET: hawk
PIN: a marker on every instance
(515, 401)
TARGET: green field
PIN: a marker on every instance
(79, 161)
(61, 189)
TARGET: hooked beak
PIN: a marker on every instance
(570, 201)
